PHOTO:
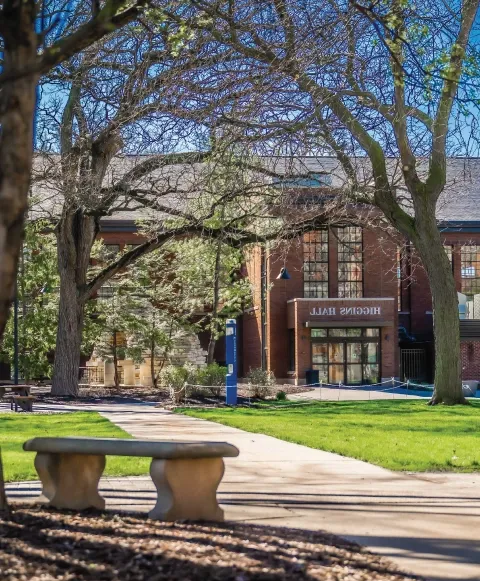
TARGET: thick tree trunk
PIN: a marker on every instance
(75, 236)
(69, 338)
(17, 103)
(446, 325)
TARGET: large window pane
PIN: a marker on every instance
(336, 374)
(322, 372)
(370, 353)
(354, 374)
(319, 353)
(315, 264)
(350, 262)
(335, 353)
(370, 374)
(354, 352)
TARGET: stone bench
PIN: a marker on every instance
(186, 474)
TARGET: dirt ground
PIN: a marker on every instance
(100, 394)
(37, 544)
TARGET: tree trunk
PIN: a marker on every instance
(446, 325)
(152, 364)
(216, 300)
(116, 378)
(17, 104)
(69, 337)
(3, 496)
(76, 234)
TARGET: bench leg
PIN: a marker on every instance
(187, 489)
(70, 480)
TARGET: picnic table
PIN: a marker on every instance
(15, 389)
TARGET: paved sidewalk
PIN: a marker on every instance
(427, 523)
(351, 394)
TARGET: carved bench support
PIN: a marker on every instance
(187, 488)
(70, 480)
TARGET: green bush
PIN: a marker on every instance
(175, 377)
(281, 396)
(261, 382)
(213, 377)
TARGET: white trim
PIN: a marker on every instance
(336, 299)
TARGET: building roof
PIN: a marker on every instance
(458, 206)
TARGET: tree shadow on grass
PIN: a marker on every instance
(58, 545)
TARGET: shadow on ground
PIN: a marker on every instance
(54, 545)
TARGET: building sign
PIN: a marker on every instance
(345, 311)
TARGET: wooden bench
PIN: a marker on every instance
(186, 474)
(25, 402)
(16, 389)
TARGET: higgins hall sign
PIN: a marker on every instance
(345, 311)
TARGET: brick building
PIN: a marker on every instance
(354, 307)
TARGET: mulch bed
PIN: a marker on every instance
(37, 544)
(148, 394)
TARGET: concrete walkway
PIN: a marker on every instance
(428, 523)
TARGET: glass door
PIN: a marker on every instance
(349, 356)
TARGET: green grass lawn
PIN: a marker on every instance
(15, 429)
(399, 435)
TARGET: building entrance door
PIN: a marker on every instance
(349, 356)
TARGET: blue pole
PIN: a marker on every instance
(231, 348)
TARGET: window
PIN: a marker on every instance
(311, 180)
(470, 268)
(315, 264)
(350, 262)
(449, 251)
(350, 356)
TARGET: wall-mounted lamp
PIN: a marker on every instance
(283, 274)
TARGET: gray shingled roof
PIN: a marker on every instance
(460, 201)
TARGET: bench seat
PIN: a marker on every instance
(186, 474)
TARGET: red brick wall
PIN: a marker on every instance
(470, 351)
(252, 345)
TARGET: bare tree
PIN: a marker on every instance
(25, 55)
(388, 88)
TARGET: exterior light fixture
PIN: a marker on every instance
(283, 274)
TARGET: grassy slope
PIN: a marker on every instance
(15, 429)
(399, 435)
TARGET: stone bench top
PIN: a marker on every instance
(160, 449)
